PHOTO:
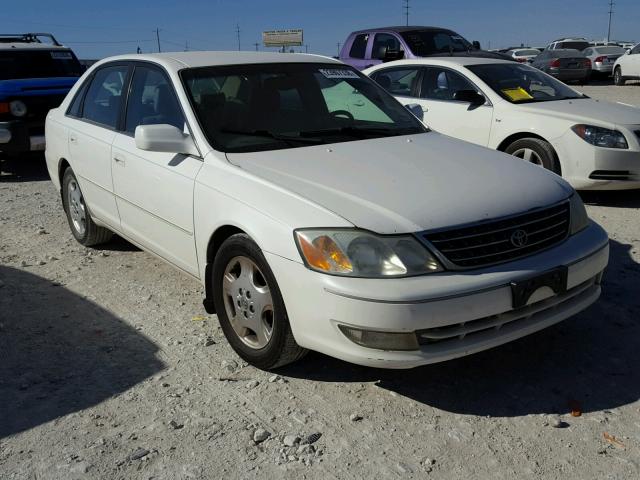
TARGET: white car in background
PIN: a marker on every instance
(627, 67)
(317, 212)
(523, 55)
(522, 111)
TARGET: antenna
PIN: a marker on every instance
(338, 48)
(306, 49)
(611, 4)
(158, 38)
(406, 7)
(238, 34)
(256, 45)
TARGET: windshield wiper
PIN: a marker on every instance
(360, 132)
(276, 136)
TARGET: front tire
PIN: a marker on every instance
(82, 226)
(618, 79)
(250, 307)
(536, 151)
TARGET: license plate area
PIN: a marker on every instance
(522, 290)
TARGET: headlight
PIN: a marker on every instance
(357, 253)
(578, 215)
(18, 108)
(600, 137)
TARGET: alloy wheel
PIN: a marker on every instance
(77, 208)
(528, 155)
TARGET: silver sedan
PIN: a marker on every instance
(603, 58)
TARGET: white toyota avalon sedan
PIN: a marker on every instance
(520, 110)
(317, 211)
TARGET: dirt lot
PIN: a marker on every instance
(108, 369)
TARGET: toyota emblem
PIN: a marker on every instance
(519, 238)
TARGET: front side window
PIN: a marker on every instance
(442, 84)
(104, 96)
(359, 46)
(397, 81)
(152, 101)
(428, 42)
(383, 43)
(247, 108)
(519, 83)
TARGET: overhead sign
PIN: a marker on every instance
(283, 38)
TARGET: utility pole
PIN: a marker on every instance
(238, 34)
(611, 4)
(158, 38)
(256, 45)
(405, 7)
(186, 46)
(306, 49)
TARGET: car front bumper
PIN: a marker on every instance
(463, 302)
(18, 137)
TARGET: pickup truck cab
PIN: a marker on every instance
(366, 48)
(35, 76)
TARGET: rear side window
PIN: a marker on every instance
(104, 96)
(152, 101)
(19, 64)
(382, 41)
(359, 46)
(397, 81)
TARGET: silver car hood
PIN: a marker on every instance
(408, 183)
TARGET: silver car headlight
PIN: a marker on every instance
(357, 253)
(578, 214)
(600, 137)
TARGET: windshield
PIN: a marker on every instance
(520, 83)
(428, 42)
(247, 108)
(609, 50)
(576, 45)
(21, 64)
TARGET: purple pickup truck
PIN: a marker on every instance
(366, 48)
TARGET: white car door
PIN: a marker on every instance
(634, 62)
(154, 190)
(93, 118)
(443, 113)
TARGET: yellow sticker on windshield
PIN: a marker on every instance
(517, 94)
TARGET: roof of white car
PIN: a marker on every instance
(444, 61)
(180, 60)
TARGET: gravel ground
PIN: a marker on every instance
(109, 368)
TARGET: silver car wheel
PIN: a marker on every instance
(247, 302)
(528, 155)
(77, 208)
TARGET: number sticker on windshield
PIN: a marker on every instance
(61, 55)
(338, 73)
(517, 94)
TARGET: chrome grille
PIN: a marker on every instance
(501, 240)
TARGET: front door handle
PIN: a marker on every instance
(119, 160)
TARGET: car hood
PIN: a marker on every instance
(408, 183)
(588, 110)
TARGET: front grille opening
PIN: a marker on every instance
(502, 240)
(509, 319)
(610, 175)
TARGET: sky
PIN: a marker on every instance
(99, 29)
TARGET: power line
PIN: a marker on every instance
(611, 4)
(405, 7)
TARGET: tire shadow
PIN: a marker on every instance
(590, 360)
(60, 353)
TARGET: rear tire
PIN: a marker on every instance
(536, 151)
(82, 226)
(250, 307)
(618, 79)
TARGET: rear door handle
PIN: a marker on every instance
(73, 139)
(119, 159)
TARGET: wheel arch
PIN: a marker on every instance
(215, 241)
(63, 164)
(521, 135)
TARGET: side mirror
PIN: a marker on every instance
(470, 96)
(416, 110)
(476, 44)
(164, 138)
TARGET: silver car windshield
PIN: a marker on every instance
(245, 108)
(519, 83)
